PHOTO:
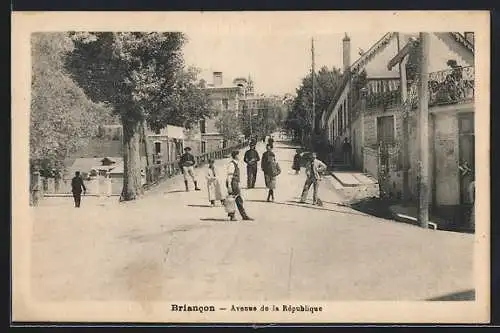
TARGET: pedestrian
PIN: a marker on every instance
(270, 141)
(233, 187)
(213, 184)
(346, 150)
(296, 162)
(270, 177)
(314, 168)
(252, 159)
(188, 163)
(267, 166)
(263, 139)
(77, 186)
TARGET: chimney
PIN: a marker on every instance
(346, 52)
(217, 79)
(470, 37)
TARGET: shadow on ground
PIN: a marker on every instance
(468, 295)
(381, 208)
(308, 206)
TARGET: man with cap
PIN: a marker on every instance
(233, 186)
(76, 188)
(187, 163)
(251, 158)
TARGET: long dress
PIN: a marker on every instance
(215, 192)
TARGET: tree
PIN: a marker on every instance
(299, 118)
(141, 75)
(226, 123)
(62, 118)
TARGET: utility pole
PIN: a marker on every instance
(313, 89)
(423, 131)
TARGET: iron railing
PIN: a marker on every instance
(451, 86)
(159, 172)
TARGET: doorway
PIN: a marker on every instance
(466, 154)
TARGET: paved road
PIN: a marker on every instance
(171, 246)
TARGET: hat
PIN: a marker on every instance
(187, 148)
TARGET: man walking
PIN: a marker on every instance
(233, 186)
(76, 188)
(313, 177)
(187, 163)
(251, 158)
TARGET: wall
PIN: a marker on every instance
(356, 143)
(213, 142)
(446, 155)
(370, 124)
(370, 161)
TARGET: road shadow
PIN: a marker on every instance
(468, 295)
(174, 191)
(214, 220)
(200, 206)
(255, 188)
(307, 205)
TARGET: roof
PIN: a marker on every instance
(458, 37)
(379, 46)
(462, 40)
(88, 163)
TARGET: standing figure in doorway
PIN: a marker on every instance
(251, 158)
(76, 188)
(187, 163)
(233, 186)
(313, 176)
(347, 150)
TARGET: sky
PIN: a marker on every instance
(276, 63)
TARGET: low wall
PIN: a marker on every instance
(370, 161)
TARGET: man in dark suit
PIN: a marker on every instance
(76, 188)
(252, 159)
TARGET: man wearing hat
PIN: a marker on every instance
(251, 158)
(187, 163)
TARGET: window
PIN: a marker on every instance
(202, 126)
(157, 148)
(225, 103)
(341, 119)
(203, 147)
(385, 129)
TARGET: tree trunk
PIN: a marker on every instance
(132, 162)
(147, 150)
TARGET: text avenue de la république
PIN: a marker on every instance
(246, 308)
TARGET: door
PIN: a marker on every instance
(466, 155)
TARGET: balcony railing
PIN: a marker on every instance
(451, 86)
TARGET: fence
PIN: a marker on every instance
(40, 186)
(159, 172)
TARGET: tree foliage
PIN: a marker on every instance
(227, 124)
(299, 117)
(142, 75)
(62, 118)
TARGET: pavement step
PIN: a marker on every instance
(364, 179)
(346, 179)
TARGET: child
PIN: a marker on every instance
(213, 184)
(296, 162)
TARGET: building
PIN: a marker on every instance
(167, 144)
(223, 98)
(375, 107)
(258, 107)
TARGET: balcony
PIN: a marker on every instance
(452, 86)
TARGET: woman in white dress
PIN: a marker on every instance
(213, 184)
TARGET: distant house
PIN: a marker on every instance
(377, 101)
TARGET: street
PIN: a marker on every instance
(171, 245)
